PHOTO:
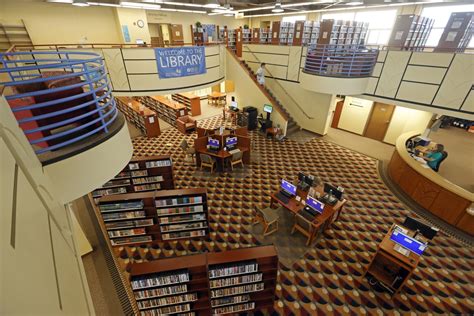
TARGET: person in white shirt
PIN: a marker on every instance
(261, 74)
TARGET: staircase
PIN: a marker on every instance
(292, 126)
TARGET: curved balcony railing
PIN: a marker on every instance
(60, 99)
(347, 61)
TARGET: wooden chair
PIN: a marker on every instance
(188, 151)
(267, 217)
(207, 161)
(236, 159)
(304, 224)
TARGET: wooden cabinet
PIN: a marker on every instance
(139, 115)
(190, 100)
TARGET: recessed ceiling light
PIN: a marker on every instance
(80, 3)
(277, 8)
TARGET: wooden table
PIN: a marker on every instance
(388, 258)
(321, 221)
(217, 98)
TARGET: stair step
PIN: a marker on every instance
(292, 130)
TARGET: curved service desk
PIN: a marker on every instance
(430, 190)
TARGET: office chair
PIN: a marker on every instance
(266, 217)
(445, 155)
(188, 151)
(304, 224)
(207, 161)
(236, 159)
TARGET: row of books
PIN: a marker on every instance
(129, 224)
(185, 234)
(178, 201)
(139, 173)
(233, 308)
(182, 218)
(230, 300)
(130, 240)
(158, 163)
(168, 300)
(102, 192)
(167, 310)
(147, 187)
(116, 183)
(160, 280)
(161, 291)
(121, 206)
(227, 291)
(180, 227)
(180, 210)
(148, 180)
(243, 279)
(229, 270)
(123, 215)
(126, 232)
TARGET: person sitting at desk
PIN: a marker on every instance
(435, 157)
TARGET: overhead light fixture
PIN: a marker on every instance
(183, 4)
(229, 14)
(212, 4)
(277, 8)
(80, 3)
(355, 3)
(59, 1)
(140, 5)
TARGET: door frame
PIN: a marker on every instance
(370, 117)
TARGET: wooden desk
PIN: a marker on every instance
(217, 98)
(387, 258)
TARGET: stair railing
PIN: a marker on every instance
(282, 88)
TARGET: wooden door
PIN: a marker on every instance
(379, 120)
(177, 37)
(238, 42)
(337, 114)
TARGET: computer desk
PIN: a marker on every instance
(322, 221)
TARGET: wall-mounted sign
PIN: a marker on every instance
(126, 33)
(176, 62)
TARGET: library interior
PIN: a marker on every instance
(236, 157)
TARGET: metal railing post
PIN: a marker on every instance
(92, 89)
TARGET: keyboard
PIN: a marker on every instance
(282, 197)
(234, 151)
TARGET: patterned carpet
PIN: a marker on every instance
(327, 278)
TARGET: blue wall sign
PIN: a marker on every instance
(176, 62)
(126, 33)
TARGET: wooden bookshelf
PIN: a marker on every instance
(191, 282)
(154, 216)
(410, 32)
(338, 32)
(139, 115)
(168, 110)
(275, 35)
(457, 33)
(190, 100)
(265, 35)
(246, 36)
(141, 174)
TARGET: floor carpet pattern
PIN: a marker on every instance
(327, 279)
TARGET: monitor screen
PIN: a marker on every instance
(288, 187)
(213, 142)
(140, 41)
(301, 176)
(231, 141)
(333, 190)
(233, 104)
(315, 204)
(408, 242)
(268, 108)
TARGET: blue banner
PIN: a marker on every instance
(177, 62)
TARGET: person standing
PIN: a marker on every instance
(261, 74)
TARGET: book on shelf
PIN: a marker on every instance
(116, 183)
(160, 279)
(123, 174)
(167, 310)
(180, 227)
(233, 308)
(121, 206)
(148, 179)
(126, 232)
(111, 191)
(160, 291)
(182, 218)
(147, 187)
(130, 240)
(123, 215)
(178, 201)
(139, 173)
(185, 234)
(129, 224)
(241, 279)
(134, 166)
(168, 300)
(242, 289)
(158, 163)
(220, 271)
(230, 300)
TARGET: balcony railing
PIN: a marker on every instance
(60, 99)
(347, 61)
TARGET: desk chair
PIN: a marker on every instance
(207, 161)
(266, 217)
(188, 151)
(236, 159)
(335, 216)
(304, 224)
(445, 155)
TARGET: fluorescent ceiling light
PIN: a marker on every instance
(290, 5)
(181, 10)
(229, 14)
(277, 8)
(355, 3)
(140, 5)
(184, 4)
(80, 3)
(103, 4)
(59, 1)
(212, 4)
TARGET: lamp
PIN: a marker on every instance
(212, 4)
(80, 3)
(277, 8)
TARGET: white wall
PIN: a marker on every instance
(405, 120)
(128, 18)
(355, 114)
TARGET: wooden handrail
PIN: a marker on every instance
(265, 92)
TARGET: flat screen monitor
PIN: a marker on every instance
(140, 42)
(309, 180)
(213, 142)
(233, 104)
(288, 187)
(426, 230)
(408, 242)
(301, 176)
(268, 108)
(231, 141)
(333, 190)
(315, 204)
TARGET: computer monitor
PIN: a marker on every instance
(427, 231)
(301, 176)
(332, 190)
(288, 187)
(309, 180)
(231, 141)
(268, 108)
(213, 143)
(315, 204)
(140, 42)
(408, 242)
